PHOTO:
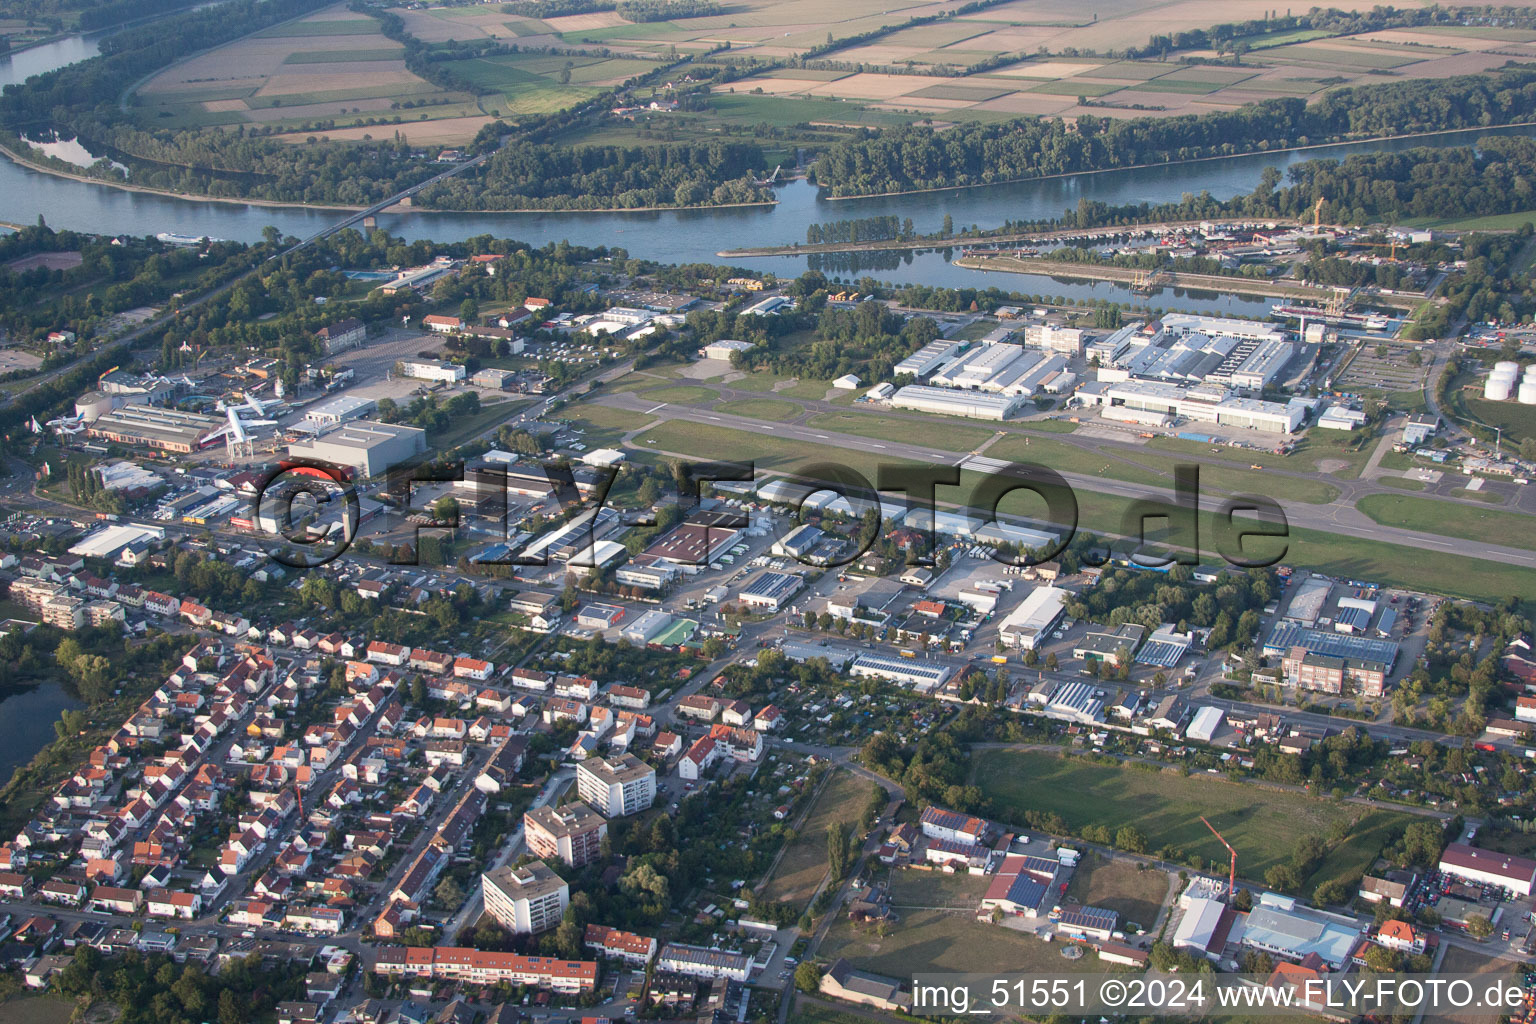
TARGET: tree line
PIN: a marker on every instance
(912, 158)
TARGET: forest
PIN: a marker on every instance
(908, 159)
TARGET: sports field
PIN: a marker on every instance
(1262, 824)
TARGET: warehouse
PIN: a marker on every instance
(340, 409)
(169, 430)
(701, 540)
(770, 590)
(1207, 720)
(1517, 874)
(1191, 323)
(921, 364)
(924, 676)
(987, 367)
(1027, 624)
(724, 349)
(950, 402)
(368, 447)
(647, 627)
(1208, 404)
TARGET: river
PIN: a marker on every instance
(686, 236)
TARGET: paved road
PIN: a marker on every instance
(1334, 519)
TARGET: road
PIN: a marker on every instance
(1333, 518)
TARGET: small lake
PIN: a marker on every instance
(26, 724)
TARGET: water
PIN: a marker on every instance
(18, 67)
(27, 724)
(683, 236)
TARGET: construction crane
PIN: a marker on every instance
(1317, 214)
(1232, 872)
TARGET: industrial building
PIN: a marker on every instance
(369, 447)
(924, 676)
(1281, 927)
(1159, 402)
(340, 410)
(1184, 349)
(769, 590)
(1286, 635)
(976, 405)
(1000, 368)
(1517, 874)
(169, 430)
(725, 348)
(1205, 723)
(921, 364)
(1027, 624)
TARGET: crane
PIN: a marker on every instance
(1317, 216)
(1232, 872)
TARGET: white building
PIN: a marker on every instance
(525, 900)
(1517, 874)
(616, 786)
(422, 369)
(698, 962)
(1027, 624)
(976, 405)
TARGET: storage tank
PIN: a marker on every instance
(1496, 389)
(1530, 371)
(1527, 394)
(1506, 366)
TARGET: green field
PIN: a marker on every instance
(1518, 421)
(1450, 519)
(761, 408)
(348, 27)
(1263, 825)
(932, 432)
(682, 394)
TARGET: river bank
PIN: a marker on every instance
(1169, 279)
(1162, 164)
(926, 242)
(279, 204)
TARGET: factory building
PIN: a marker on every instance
(922, 364)
(1027, 624)
(924, 676)
(368, 447)
(340, 409)
(1144, 401)
(169, 430)
(950, 402)
(725, 348)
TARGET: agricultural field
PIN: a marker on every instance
(1263, 825)
(333, 72)
(804, 864)
(540, 83)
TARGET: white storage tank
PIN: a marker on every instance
(1506, 366)
(1530, 370)
(1496, 389)
(1527, 394)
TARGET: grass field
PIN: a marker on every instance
(805, 861)
(1491, 526)
(1518, 421)
(761, 408)
(1166, 806)
(1136, 894)
(930, 433)
(37, 1010)
(343, 56)
(933, 940)
(682, 394)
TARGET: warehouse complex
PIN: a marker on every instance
(169, 430)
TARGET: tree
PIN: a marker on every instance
(808, 977)
(1130, 839)
(837, 850)
(446, 509)
(449, 894)
(1479, 926)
